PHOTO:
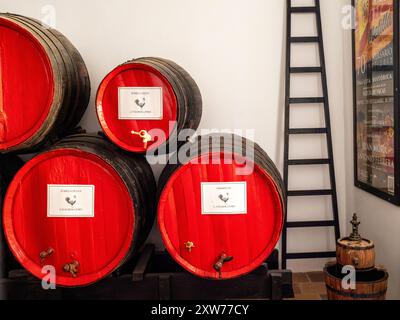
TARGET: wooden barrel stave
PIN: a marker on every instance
(138, 181)
(58, 118)
(9, 166)
(370, 285)
(59, 75)
(172, 173)
(183, 95)
(194, 110)
(360, 254)
(188, 103)
(79, 78)
(235, 145)
(132, 166)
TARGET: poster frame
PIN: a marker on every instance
(394, 199)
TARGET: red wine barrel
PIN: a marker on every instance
(218, 220)
(83, 206)
(44, 84)
(144, 95)
(9, 165)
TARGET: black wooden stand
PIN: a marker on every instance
(156, 276)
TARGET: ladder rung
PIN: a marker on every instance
(305, 70)
(306, 162)
(308, 131)
(310, 224)
(307, 100)
(304, 39)
(309, 193)
(311, 255)
(303, 9)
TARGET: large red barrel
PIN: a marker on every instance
(144, 97)
(44, 84)
(83, 207)
(221, 209)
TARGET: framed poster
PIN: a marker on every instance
(375, 76)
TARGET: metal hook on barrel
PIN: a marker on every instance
(144, 135)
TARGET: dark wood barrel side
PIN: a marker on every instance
(207, 236)
(226, 142)
(113, 219)
(182, 104)
(191, 111)
(71, 85)
(79, 82)
(360, 254)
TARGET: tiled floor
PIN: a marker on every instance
(309, 286)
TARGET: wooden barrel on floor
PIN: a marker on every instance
(144, 104)
(9, 165)
(370, 285)
(44, 84)
(354, 250)
(83, 206)
(221, 206)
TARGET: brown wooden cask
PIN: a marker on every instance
(354, 250)
(360, 254)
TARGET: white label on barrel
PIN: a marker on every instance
(70, 201)
(140, 103)
(224, 198)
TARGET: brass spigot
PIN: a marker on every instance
(45, 254)
(144, 135)
(72, 268)
(220, 263)
(189, 246)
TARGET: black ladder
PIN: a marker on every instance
(289, 103)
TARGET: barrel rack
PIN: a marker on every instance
(155, 276)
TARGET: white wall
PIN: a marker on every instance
(380, 221)
(235, 51)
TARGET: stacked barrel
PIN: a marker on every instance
(144, 104)
(85, 204)
(353, 253)
(82, 206)
(221, 209)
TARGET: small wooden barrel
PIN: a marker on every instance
(221, 209)
(370, 285)
(360, 254)
(44, 84)
(144, 104)
(9, 165)
(83, 207)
